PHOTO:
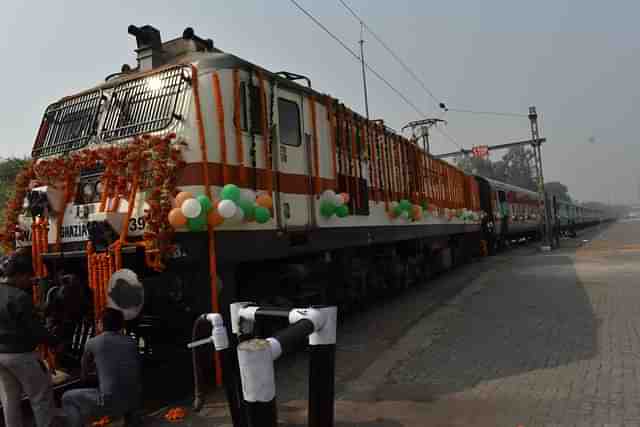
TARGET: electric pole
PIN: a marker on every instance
(364, 74)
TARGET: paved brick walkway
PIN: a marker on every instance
(534, 340)
(548, 339)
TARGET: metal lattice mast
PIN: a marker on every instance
(535, 137)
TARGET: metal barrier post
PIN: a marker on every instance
(256, 358)
(322, 371)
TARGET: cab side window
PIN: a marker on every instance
(289, 122)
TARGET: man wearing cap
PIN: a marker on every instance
(21, 330)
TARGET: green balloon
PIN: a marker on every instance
(230, 192)
(397, 210)
(262, 214)
(327, 208)
(425, 205)
(248, 209)
(205, 203)
(342, 211)
(198, 223)
(405, 205)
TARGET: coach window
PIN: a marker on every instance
(289, 122)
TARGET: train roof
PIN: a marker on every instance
(185, 54)
(508, 187)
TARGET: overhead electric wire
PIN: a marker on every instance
(408, 69)
(403, 65)
(491, 113)
(357, 57)
(326, 30)
(449, 137)
(392, 53)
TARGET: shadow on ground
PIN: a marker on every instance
(536, 315)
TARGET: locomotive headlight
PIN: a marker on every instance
(154, 83)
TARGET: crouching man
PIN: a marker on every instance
(116, 360)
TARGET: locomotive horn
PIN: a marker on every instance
(190, 34)
(149, 46)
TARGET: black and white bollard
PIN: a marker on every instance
(322, 368)
(256, 357)
(258, 382)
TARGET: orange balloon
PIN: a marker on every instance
(181, 197)
(345, 197)
(417, 212)
(177, 218)
(214, 218)
(265, 201)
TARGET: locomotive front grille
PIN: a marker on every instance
(68, 125)
(145, 105)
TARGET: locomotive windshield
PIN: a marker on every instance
(68, 125)
(146, 105)
(143, 105)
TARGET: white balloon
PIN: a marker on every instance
(227, 209)
(339, 201)
(248, 195)
(404, 215)
(329, 195)
(393, 205)
(238, 217)
(191, 208)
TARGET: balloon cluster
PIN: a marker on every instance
(334, 204)
(244, 205)
(235, 206)
(406, 210)
(467, 215)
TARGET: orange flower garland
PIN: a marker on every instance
(159, 156)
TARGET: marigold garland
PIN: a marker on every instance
(159, 158)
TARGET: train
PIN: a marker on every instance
(216, 180)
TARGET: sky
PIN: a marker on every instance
(577, 61)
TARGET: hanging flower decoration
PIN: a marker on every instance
(153, 160)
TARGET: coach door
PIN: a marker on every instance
(293, 163)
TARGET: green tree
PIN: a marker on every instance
(9, 170)
(476, 166)
(517, 168)
(514, 167)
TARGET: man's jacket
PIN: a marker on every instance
(21, 330)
